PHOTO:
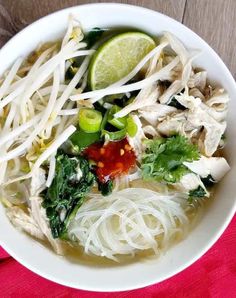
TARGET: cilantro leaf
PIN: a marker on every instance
(164, 157)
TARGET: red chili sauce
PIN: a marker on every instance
(113, 159)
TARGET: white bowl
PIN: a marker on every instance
(141, 273)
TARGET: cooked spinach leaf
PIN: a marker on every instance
(82, 139)
(73, 180)
(105, 188)
(199, 192)
(208, 181)
(174, 103)
(93, 36)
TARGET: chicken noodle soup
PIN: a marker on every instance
(110, 142)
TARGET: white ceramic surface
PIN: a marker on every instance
(139, 274)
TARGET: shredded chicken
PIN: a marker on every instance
(25, 222)
(198, 80)
(39, 215)
(137, 141)
(155, 111)
(190, 182)
(197, 115)
(38, 182)
(217, 167)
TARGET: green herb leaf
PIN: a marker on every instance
(66, 193)
(114, 135)
(208, 181)
(105, 188)
(82, 139)
(93, 36)
(164, 157)
(119, 123)
(174, 103)
(199, 192)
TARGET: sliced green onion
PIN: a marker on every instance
(114, 135)
(104, 120)
(90, 120)
(119, 123)
(130, 100)
(83, 139)
(131, 127)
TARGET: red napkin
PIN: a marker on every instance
(213, 276)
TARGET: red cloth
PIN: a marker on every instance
(213, 276)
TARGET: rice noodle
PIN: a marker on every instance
(128, 221)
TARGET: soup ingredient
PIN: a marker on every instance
(82, 139)
(199, 116)
(190, 182)
(72, 181)
(129, 221)
(105, 188)
(198, 192)
(117, 122)
(41, 101)
(164, 158)
(117, 57)
(114, 135)
(89, 120)
(25, 222)
(112, 159)
(113, 89)
(131, 127)
(93, 36)
(208, 181)
(216, 167)
(174, 103)
(126, 125)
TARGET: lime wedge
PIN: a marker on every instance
(117, 57)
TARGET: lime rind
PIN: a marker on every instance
(117, 57)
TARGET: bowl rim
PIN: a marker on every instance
(227, 221)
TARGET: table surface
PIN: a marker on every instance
(213, 20)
